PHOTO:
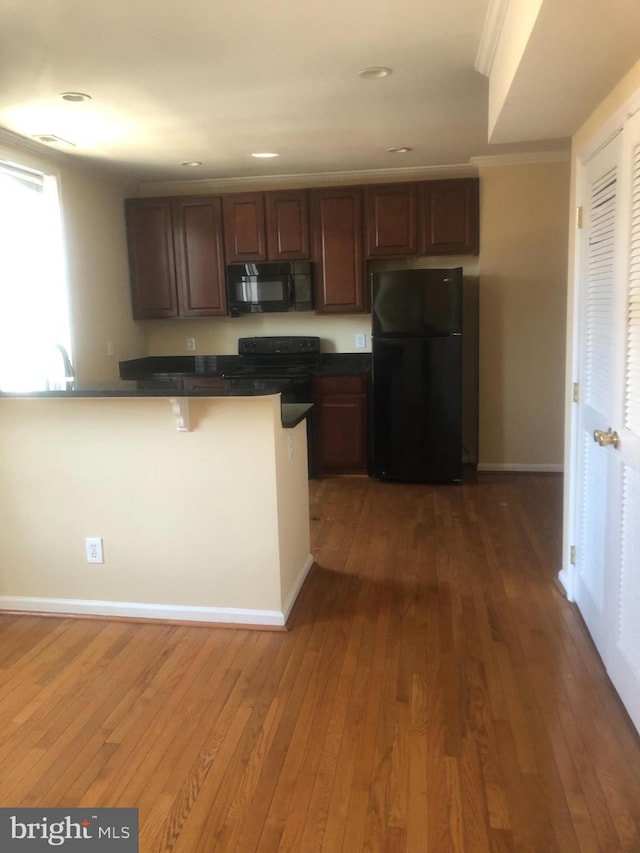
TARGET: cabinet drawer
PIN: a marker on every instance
(339, 385)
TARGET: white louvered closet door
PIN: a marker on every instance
(622, 656)
(598, 271)
(607, 588)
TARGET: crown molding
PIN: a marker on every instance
(523, 159)
(309, 179)
(38, 149)
(490, 37)
(41, 156)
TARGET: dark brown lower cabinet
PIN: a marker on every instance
(340, 424)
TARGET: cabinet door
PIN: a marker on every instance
(336, 229)
(199, 256)
(340, 424)
(391, 220)
(244, 227)
(287, 225)
(151, 258)
(449, 217)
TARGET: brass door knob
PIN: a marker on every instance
(604, 439)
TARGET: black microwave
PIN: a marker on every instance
(269, 287)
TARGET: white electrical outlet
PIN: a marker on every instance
(110, 348)
(361, 341)
(191, 344)
(93, 548)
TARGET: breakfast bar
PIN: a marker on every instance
(200, 500)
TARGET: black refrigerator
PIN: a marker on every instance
(424, 341)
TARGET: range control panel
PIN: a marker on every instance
(279, 344)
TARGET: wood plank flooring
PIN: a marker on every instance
(434, 692)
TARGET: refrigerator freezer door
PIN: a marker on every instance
(416, 302)
(417, 409)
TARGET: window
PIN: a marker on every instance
(35, 345)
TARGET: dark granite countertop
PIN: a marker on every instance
(292, 413)
(168, 366)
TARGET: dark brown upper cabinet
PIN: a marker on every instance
(244, 227)
(151, 258)
(336, 228)
(391, 220)
(449, 217)
(199, 251)
(272, 226)
(287, 225)
(176, 257)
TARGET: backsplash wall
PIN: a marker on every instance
(219, 335)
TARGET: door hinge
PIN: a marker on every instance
(572, 555)
(578, 217)
(576, 392)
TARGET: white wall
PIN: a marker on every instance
(519, 20)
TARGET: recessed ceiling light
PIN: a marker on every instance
(192, 163)
(265, 154)
(375, 72)
(75, 96)
(402, 150)
(52, 139)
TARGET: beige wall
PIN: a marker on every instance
(522, 292)
(220, 335)
(523, 268)
(98, 271)
(97, 264)
(627, 87)
(215, 518)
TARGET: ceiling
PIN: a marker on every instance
(215, 80)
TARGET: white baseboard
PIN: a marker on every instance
(164, 612)
(302, 575)
(542, 468)
(565, 578)
(143, 610)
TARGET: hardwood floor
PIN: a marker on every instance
(434, 693)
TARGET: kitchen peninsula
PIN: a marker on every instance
(200, 499)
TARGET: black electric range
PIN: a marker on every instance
(281, 364)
